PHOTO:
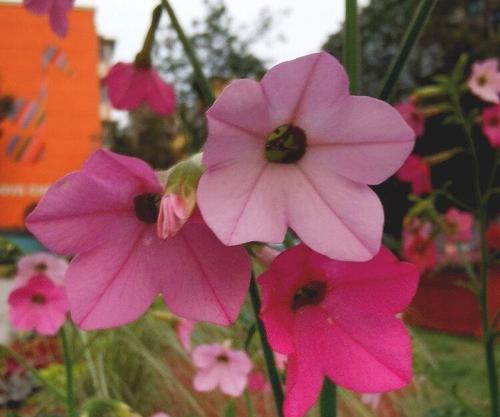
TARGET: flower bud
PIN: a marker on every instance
(174, 212)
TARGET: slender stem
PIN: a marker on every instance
(481, 213)
(411, 36)
(328, 399)
(143, 58)
(352, 55)
(201, 80)
(268, 353)
(90, 364)
(68, 368)
(249, 404)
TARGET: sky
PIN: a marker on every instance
(305, 27)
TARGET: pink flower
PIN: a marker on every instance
(418, 173)
(38, 305)
(44, 263)
(130, 86)
(490, 123)
(371, 400)
(257, 382)
(337, 319)
(172, 216)
(184, 329)
(220, 366)
(107, 214)
(458, 225)
(56, 9)
(265, 255)
(160, 415)
(419, 246)
(493, 236)
(484, 81)
(296, 150)
(413, 116)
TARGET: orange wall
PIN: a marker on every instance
(65, 126)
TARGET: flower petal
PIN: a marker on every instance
(302, 86)
(232, 383)
(335, 216)
(207, 379)
(160, 96)
(38, 6)
(205, 280)
(363, 139)
(206, 355)
(58, 18)
(115, 283)
(126, 86)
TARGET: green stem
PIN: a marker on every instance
(328, 399)
(352, 56)
(481, 213)
(249, 404)
(411, 36)
(143, 58)
(268, 353)
(68, 368)
(201, 80)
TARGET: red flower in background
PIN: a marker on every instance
(490, 123)
(413, 116)
(418, 173)
(493, 236)
(419, 246)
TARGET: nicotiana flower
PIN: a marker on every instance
(257, 382)
(490, 123)
(297, 150)
(484, 81)
(48, 264)
(38, 305)
(413, 116)
(371, 400)
(218, 365)
(107, 214)
(419, 245)
(56, 9)
(418, 173)
(458, 225)
(337, 319)
(183, 329)
(129, 86)
(493, 236)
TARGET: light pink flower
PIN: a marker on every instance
(257, 382)
(265, 255)
(48, 264)
(38, 305)
(337, 319)
(297, 150)
(371, 400)
(172, 216)
(106, 214)
(56, 9)
(413, 116)
(418, 173)
(160, 415)
(129, 87)
(220, 366)
(184, 329)
(490, 123)
(458, 225)
(419, 246)
(484, 81)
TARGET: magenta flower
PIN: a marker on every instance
(490, 123)
(418, 173)
(129, 86)
(296, 150)
(56, 9)
(223, 367)
(257, 382)
(183, 329)
(413, 116)
(484, 81)
(107, 214)
(38, 305)
(337, 319)
(419, 245)
(44, 263)
(458, 225)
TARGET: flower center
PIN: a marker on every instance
(38, 299)
(308, 295)
(286, 144)
(482, 80)
(495, 121)
(146, 207)
(40, 267)
(222, 358)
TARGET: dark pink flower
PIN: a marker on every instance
(337, 319)
(296, 150)
(413, 116)
(484, 81)
(221, 366)
(38, 305)
(48, 264)
(107, 214)
(56, 9)
(419, 246)
(458, 225)
(257, 382)
(490, 123)
(493, 236)
(130, 86)
(418, 173)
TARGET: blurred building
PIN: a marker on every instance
(52, 104)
